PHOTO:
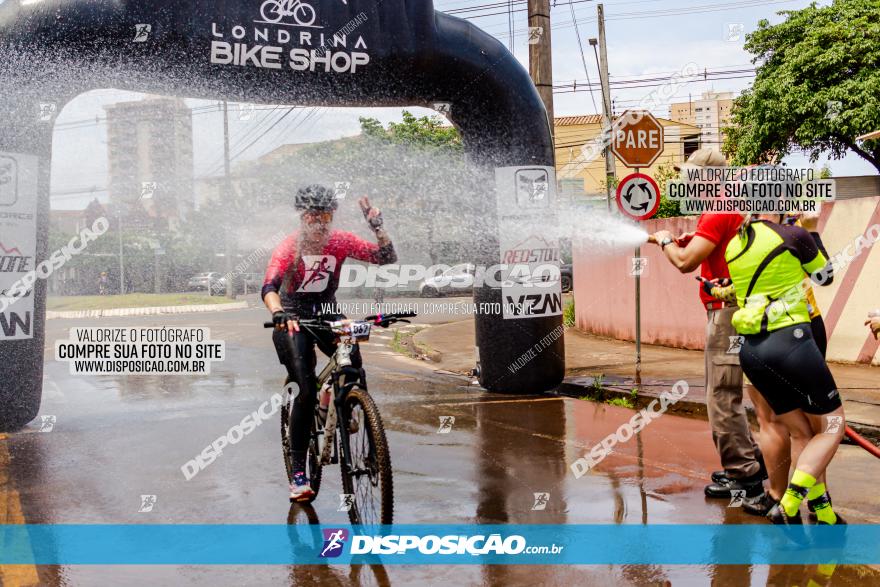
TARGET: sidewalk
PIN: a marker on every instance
(147, 311)
(612, 362)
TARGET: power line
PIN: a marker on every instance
(262, 135)
(583, 57)
(642, 78)
(499, 5)
(253, 130)
(661, 13)
(696, 139)
(573, 89)
(510, 25)
(98, 120)
(77, 193)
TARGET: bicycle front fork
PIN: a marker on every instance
(341, 382)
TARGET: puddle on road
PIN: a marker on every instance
(486, 467)
(510, 449)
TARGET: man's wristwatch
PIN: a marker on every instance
(665, 242)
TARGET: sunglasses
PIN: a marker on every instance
(312, 216)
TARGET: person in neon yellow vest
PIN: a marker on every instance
(775, 436)
(780, 355)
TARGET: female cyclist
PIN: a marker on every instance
(780, 355)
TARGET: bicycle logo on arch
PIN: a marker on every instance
(276, 11)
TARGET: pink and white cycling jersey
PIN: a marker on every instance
(315, 278)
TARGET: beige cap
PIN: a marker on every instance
(705, 157)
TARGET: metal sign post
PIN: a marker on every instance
(639, 322)
(638, 314)
(638, 197)
(638, 143)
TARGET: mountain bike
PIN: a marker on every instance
(274, 11)
(351, 433)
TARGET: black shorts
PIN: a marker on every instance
(817, 324)
(788, 369)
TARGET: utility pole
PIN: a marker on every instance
(227, 195)
(540, 58)
(610, 173)
(121, 260)
(157, 278)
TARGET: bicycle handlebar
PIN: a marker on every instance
(383, 320)
(395, 317)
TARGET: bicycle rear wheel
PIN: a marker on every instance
(272, 11)
(369, 481)
(313, 464)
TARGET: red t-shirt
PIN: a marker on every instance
(719, 229)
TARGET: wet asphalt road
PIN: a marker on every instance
(119, 437)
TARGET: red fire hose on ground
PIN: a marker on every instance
(863, 442)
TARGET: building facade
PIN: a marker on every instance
(150, 150)
(711, 114)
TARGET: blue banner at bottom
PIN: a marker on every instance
(226, 544)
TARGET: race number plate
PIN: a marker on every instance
(360, 330)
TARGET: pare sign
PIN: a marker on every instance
(638, 139)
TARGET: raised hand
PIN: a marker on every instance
(373, 215)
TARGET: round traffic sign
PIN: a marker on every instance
(638, 196)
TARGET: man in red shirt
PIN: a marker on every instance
(301, 282)
(704, 248)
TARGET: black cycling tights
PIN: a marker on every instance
(817, 325)
(297, 353)
(788, 368)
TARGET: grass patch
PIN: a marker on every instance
(598, 393)
(397, 344)
(621, 402)
(402, 342)
(134, 300)
(568, 314)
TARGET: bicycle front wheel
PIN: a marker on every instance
(366, 472)
(304, 15)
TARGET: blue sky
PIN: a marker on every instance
(644, 37)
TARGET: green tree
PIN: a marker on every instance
(427, 131)
(668, 208)
(817, 86)
(415, 170)
(102, 255)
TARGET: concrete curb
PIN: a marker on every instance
(150, 311)
(577, 387)
(453, 360)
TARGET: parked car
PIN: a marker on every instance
(457, 280)
(566, 277)
(254, 281)
(203, 281)
(244, 283)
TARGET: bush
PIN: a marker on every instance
(668, 209)
(568, 314)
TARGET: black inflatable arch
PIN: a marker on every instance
(385, 53)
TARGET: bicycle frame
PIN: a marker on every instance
(288, 6)
(337, 374)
